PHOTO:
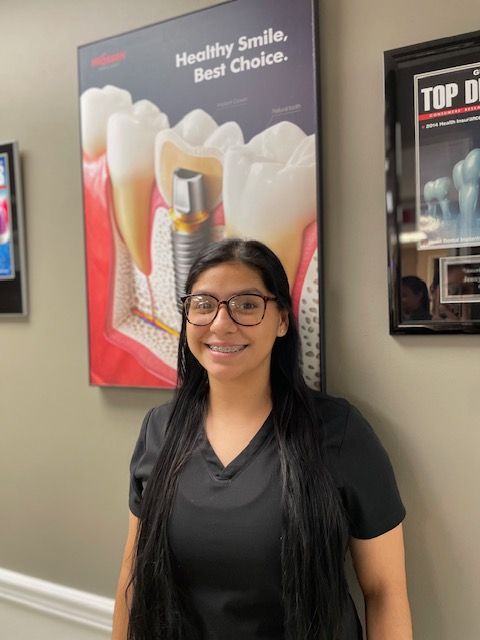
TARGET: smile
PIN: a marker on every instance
(234, 348)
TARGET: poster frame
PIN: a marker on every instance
(402, 199)
(13, 288)
(313, 4)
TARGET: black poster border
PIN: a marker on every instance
(402, 185)
(13, 291)
(316, 109)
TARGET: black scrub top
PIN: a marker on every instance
(225, 527)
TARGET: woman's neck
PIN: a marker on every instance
(237, 403)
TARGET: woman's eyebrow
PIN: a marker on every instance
(206, 292)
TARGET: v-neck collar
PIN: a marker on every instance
(241, 460)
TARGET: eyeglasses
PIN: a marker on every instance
(246, 309)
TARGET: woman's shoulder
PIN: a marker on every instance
(154, 425)
(360, 467)
(333, 416)
(329, 407)
(341, 422)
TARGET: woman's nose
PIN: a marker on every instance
(223, 319)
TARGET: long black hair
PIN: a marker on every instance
(419, 288)
(314, 536)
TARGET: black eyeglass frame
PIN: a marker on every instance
(265, 299)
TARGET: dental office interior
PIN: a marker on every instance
(66, 444)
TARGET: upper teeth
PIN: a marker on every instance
(226, 349)
(130, 143)
(196, 143)
(97, 105)
(269, 190)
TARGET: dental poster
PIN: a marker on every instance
(447, 148)
(195, 129)
(7, 265)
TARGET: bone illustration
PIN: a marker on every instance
(130, 157)
(269, 190)
(196, 144)
(96, 106)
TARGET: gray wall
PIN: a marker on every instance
(65, 446)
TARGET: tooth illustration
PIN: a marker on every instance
(195, 144)
(457, 175)
(96, 106)
(130, 146)
(429, 197)
(269, 190)
(441, 190)
(469, 192)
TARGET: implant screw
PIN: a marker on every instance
(190, 225)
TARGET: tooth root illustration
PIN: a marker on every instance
(429, 197)
(195, 144)
(269, 190)
(468, 195)
(441, 190)
(130, 157)
(457, 175)
(190, 224)
(96, 106)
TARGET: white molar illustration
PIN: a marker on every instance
(466, 175)
(130, 146)
(96, 106)
(441, 191)
(269, 190)
(439, 217)
(143, 300)
(198, 144)
(429, 197)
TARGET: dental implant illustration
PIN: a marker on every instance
(190, 224)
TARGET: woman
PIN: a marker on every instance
(415, 299)
(256, 485)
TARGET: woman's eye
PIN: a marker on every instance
(246, 304)
(202, 304)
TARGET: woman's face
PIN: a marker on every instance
(229, 351)
(411, 301)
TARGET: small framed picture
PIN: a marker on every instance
(432, 144)
(13, 289)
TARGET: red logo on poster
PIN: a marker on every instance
(108, 59)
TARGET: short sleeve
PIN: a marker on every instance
(149, 444)
(368, 486)
(137, 483)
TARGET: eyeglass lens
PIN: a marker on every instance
(247, 309)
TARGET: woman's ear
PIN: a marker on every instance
(282, 323)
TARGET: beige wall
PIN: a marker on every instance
(65, 446)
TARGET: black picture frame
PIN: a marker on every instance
(13, 281)
(251, 62)
(432, 156)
